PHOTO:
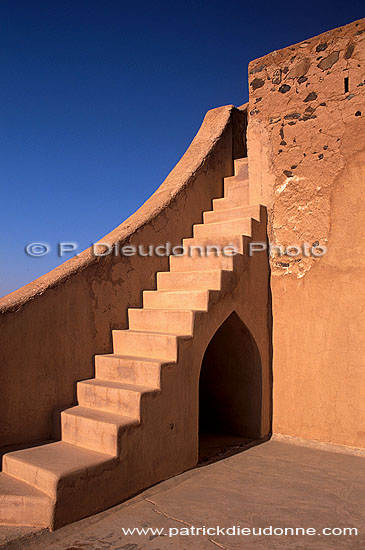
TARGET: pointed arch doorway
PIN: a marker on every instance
(230, 391)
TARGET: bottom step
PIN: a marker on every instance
(56, 466)
(21, 504)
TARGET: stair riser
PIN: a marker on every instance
(236, 179)
(228, 204)
(50, 483)
(89, 434)
(184, 263)
(17, 510)
(232, 214)
(154, 346)
(223, 244)
(237, 227)
(185, 281)
(241, 168)
(114, 400)
(176, 300)
(237, 193)
(128, 371)
(174, 322)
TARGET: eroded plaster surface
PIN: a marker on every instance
(306, 147)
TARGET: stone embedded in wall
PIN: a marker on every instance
(321, 47)
(292, 115)
(310, 97)
(276, 79)
(329, 61)
(349, 51)
(258, 69)
(300, 69)
(284, 88)
(257, 83)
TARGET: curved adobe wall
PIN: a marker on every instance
(51, 329)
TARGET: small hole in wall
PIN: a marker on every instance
(346, 84)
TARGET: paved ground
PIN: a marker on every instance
(274, 484)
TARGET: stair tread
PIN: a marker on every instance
(141, 331)
(235, 209)
(144, 358)
(222, 222)
(165, 310)
(195, 290)
(213, 240)
(177, 299)
(237, 178)
(13, 487)
(231, 214)
(225, 200)
(173, 274)
(150, 331)
(244, 206)
(59, 458)
(133, 358)
(225, 237)
(118, 385)
(180, 264)
(102, 416)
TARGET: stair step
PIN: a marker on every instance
(55, 466)
(241, 167)
(94, 429)
(206, 263)
(174, 321)
(196, 300)
(229, 203)
(22, 504)
(153, 345)
(236, 213)
(114, 397)
(99, 432)
(220, 245)
(167, 280)
(231, 227)
(132, 370)
(235, 179)
(236, 190)
(209, 245)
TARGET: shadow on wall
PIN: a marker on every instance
(230, 390)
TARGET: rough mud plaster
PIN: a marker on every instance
(306, 152)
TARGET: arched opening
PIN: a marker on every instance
(230, 391)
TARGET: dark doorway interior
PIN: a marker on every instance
(230, 391)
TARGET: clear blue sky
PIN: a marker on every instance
(99, 99)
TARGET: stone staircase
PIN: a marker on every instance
(120, 437)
